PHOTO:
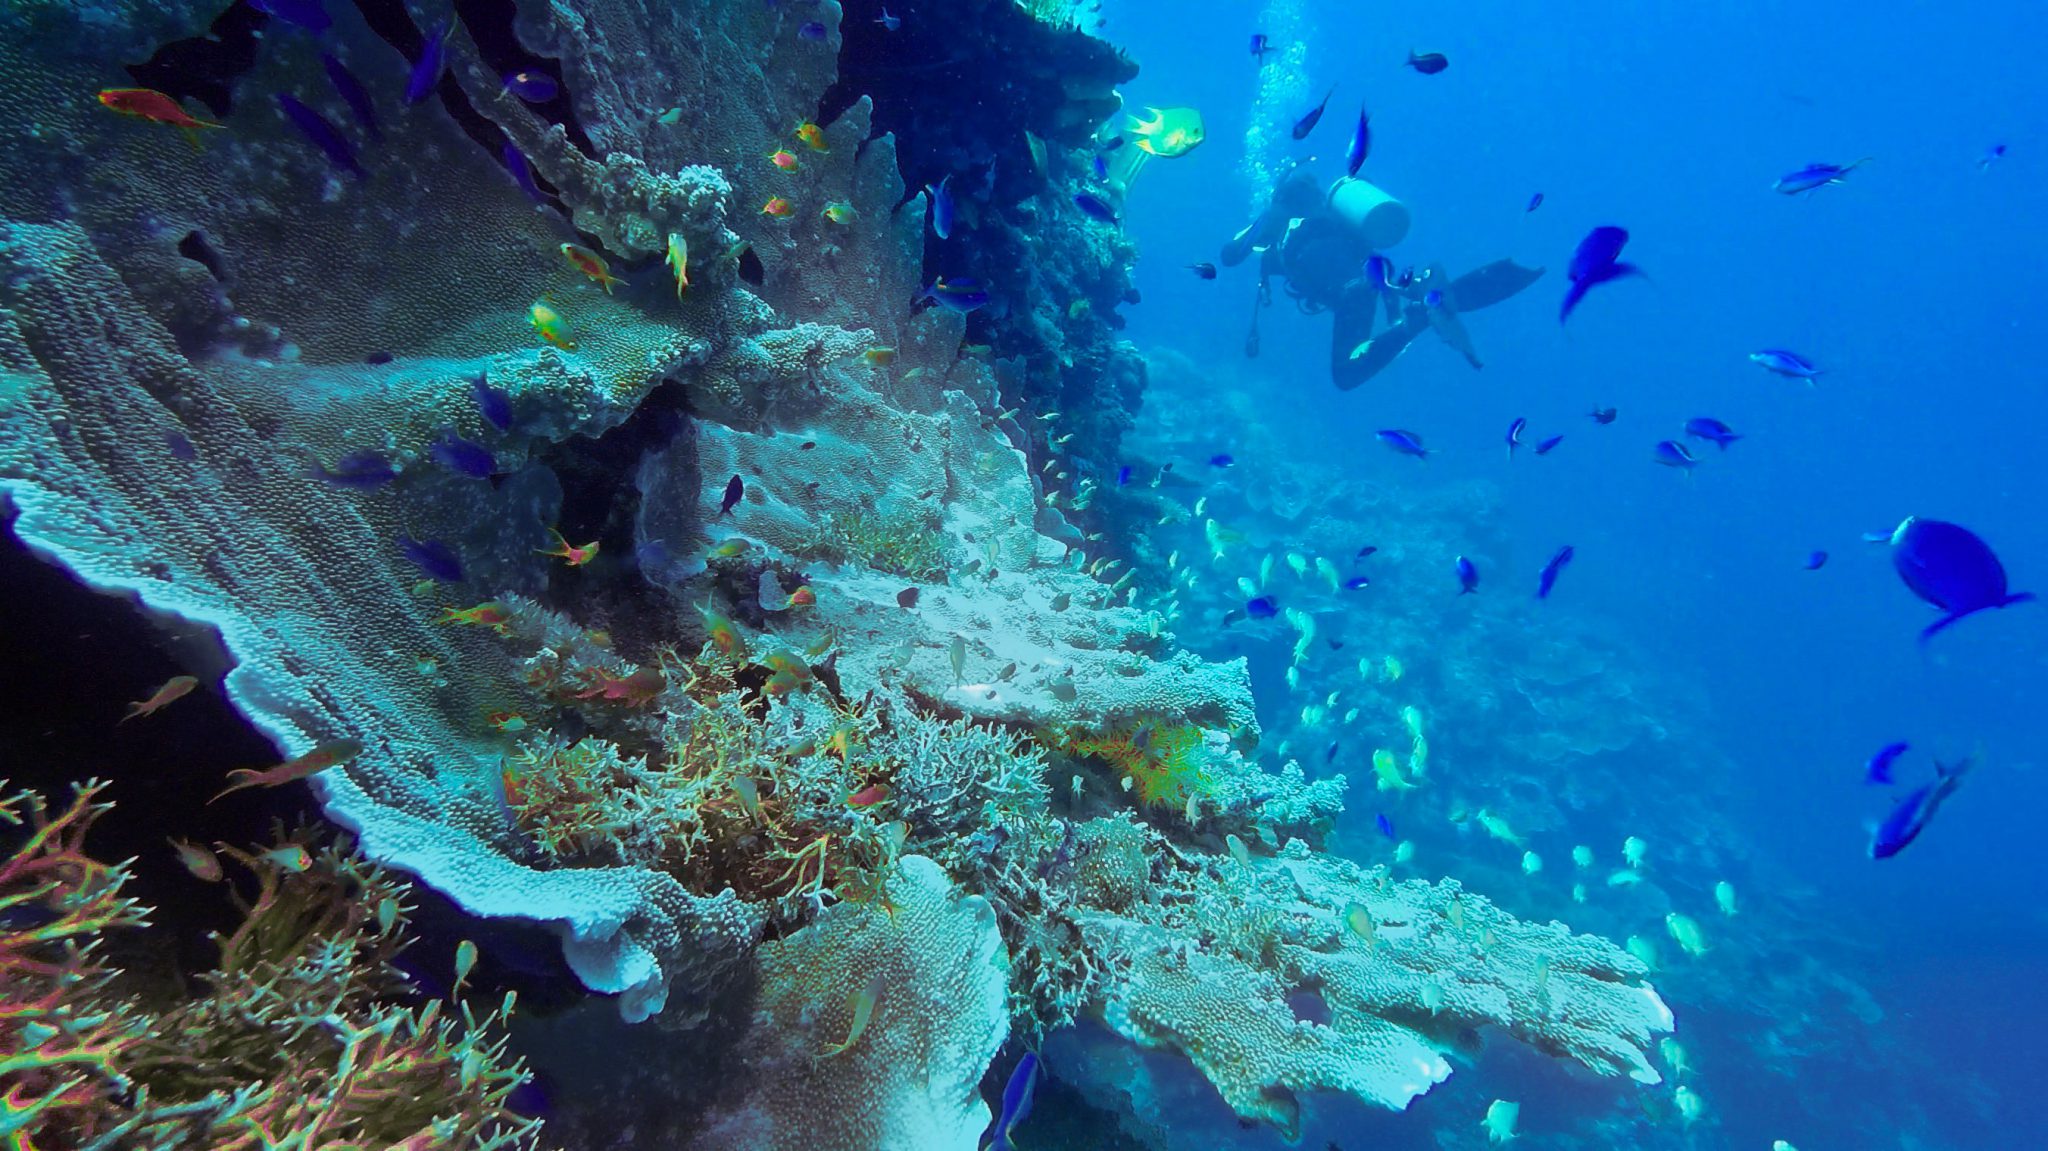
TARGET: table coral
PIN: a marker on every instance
(1216, 985)
(911, 1077)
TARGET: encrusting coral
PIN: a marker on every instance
(298, 1038)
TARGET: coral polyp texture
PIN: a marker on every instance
(293, 1040)
(720, 610)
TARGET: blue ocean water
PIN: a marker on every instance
(1915, 283)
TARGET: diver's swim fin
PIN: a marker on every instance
(1368, 358)
(1486, 286)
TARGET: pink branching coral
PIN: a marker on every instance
(295, 1042)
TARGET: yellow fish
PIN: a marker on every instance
(839, 212)
(879, 357)
(550, 326)
(812, 136)
(679, 259)
(590, 264)
(1168, 132)
(1359, 920)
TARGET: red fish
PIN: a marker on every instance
(327, 755)
(153, 106)
(868, 796)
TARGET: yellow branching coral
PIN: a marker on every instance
(1163, 761)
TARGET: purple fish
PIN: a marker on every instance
(1949, 567)
(522, 173)
(308, 14)
(1548, 579)
(1123, 475)
(1515, 431)
(1543, 449)
(361, 470)
(532, 86)
(734, 489)
(1261, 45)
(1385, 825)
(1428, 63)
(960, 295)
(324, 135)
(1403, 441)
(1711, 429)
(1016, 1103)
(1879, 769)
(812, 30)
(1468, 576)
(180, 447)
(426, 71)
(1095, 207)
(1673, 454)
(352, 93)
(1307, 124)
(942, 207)
(1262, 607)
(1357, 583)
(1535, 202)
(494, 404)
(433, 557)
(1221, 461)
(1916, 810)
(1602, 415)
(1814, 177)
(1816, 561)
(1360, 146)
(1792, 365)
(1596, 261)
(464, 457)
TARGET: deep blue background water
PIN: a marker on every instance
(1919, 285)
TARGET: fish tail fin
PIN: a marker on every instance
(2018, 597)
(134, 709)
(250, 778)
(1724, 441)
(1942, 624)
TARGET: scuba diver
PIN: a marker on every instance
(1325, 247)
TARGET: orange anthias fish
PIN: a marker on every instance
(868, 796)
(509, 722)
(153, 106)
(174, 689)
(549, 325)
(590, 264)
(722, 634)
(777, 207)
(491, 614)
(803, 597)
(314, 762)
(812, 136)
(575, 556)
(783, 684)
(784, 159)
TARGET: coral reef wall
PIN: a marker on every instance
(579, 474)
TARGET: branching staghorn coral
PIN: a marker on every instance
(295, 1040)
(897, 545)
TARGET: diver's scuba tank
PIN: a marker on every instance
(1378, 219)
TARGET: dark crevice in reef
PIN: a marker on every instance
(600, 502)
(205, 68)
(492, 32)
(70, 654)
(490, 26)
(198, 249)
